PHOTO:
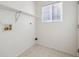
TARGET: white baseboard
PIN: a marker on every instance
(56, 49)
(20, 54)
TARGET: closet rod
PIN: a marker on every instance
(16, 10)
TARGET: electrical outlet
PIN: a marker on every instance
(78, 26)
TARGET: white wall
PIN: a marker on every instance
(78, 30)
(60, 35)
(26, 6)
(13, 43)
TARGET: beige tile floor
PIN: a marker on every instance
(41, 51)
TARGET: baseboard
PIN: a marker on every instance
(57, 50)
(20, 54)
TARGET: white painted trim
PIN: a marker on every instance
(19, 55)
(56, 49)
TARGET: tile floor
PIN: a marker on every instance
(41, 51)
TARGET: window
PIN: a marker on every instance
(52, 12)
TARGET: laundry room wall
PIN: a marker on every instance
(58, 35)
(27, 6)
(78, 30)
(21, 37)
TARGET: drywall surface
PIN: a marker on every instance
(26, 6)
(20, 38)
(58, 35)
(78, 30)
